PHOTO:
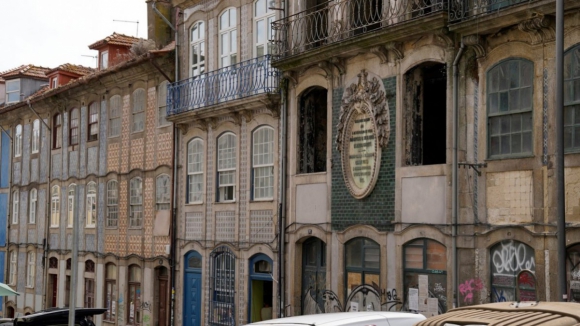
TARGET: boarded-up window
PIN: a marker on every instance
(312, 131)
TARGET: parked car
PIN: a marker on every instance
(56, 317)
(362, 318)
(510, 313)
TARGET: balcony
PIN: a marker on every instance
(352, 20)
(222, 86)
(461, 10)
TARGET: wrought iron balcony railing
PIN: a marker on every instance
(338, 20)
(462, 10)
(251, 77)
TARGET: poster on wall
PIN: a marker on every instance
(353, 306)
(432, 307)
(413, 299)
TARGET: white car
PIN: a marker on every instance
(362, 318)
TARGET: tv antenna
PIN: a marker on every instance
(91, 56)
(130, 21)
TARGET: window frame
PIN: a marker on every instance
(70, 205)
(269, 16)
(198, 43)
(74, 130)
(57, 131)
(222, 285)
(13, 267)
(18, 140)
(519, 112)
(192, 172)
(137, 205)
(227, 170)
(571, 100)
(110, 297)
(15, 206)
(367, 243)
(91, 215)
(225, 58)
(33, 202)
(134, 294)
(112, 204)
(104, 60)
(161, 203)
(138, 108)
(162, 105)
(55, 207)
(35, 141)
(93, 122)
(16, 90)
(30, 269)
(115, 113)
(263, 166)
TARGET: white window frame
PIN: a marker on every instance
(13, 267)
(226, 165)
(54, 82)
(91, 217)
(197, 46)
(138, 110)
(35, 146)
(9, 92)
(112, 203)
(115, 106)
(162, 192)
(15, 206)
(32, 209)
(162, 105)
(104, 60)
(195, 157)
(18, 141)
(228, 35)
(31, 266)
(136, 203)
(74, 125)
(93, 121)
(263, 163)
(55, 207)
(71, 206)
(266, 18)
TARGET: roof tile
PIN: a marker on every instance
(115, 39)
(75, 69)
(30, 71)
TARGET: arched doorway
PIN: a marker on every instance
(192, 289)
(261, 288)
(161, 295)
(313, 276)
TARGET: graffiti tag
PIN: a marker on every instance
(468, 288)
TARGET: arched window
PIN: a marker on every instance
(110, 291)
(89, 284)
(53, 262)
(312, 130)
(15, 206)
(362, 257)
(507, 259)
(263, 163)
(35, 146)
(18, 141)
(32, 206)
(57, 131)
(13, 267)
(426, 261)
(260, 298)
(71, 205)
(223, 276)
(31, 264)
(134, 295)
(195, 171)
(91, 204)
(228, 38)
(115, 116)
(197, 43)
(163, 192)
(136, 203)
(55, 207)
(162, 104)
(74, 127)
(112, 203)
(93, 122)
(264, 16)
(138, 122)
(226, 167)
(572, 99)
(509, 108)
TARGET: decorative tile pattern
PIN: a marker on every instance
(137, 151)
(209, 186)
(90, 242)
(26, 135)
(73, 163)
(44, 149)
(149, 214)
(125, 130)
(509, 197)
(261, 226)
(164, 145)
(103, 140)
(113, 157)
(193, 225)
(245, 26)
(69, 242)
(93, 160)
(225, 225)
(545, 89)
(65, 127)
(475, 148)
(122, 216)
(151, 129)
(82, 168)
(31, 236)
(101, 217)
(41, 211)
(242, 289)
(16, 173)
(112, 243)
(244, 184)
(56, 166)
(34, 170)
(54, 241)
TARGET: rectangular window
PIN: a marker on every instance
(112, 204)
(18, 141)
(91, 206)
(12, 91)
(71, 208)
(110, 292)
(89, 293)
(162, 193)
(35, 136)
(138, 110)
(195, 171)
(226, 167)
(13, 266)
(136, 202)
(30, 270)
(93, 122)
(32, 208)
(104, 60)
(228, 38)
(57, 131)
(263, 163)
(162, 105)
(15, 207)
(54, 82)
(74, 127)
(55, 207)
(115, 116)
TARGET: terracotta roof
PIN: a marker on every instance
(115, 39)
(75, 69)
(2, 73)
(41, 91)
(30, 71)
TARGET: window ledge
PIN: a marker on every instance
(194, 203)
(491, 159)
(90, 226)
(225, 202)
(112, 227)
(264, 200)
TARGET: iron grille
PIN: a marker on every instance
(222, 292)
(462, 10)
(251, 77)
(335, 21)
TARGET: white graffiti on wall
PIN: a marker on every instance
(511, 257)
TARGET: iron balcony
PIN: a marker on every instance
(462, 10)
(244, 79)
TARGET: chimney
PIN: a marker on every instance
(157, 29)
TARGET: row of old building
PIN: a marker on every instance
(274, 158)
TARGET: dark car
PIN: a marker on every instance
(57, 317)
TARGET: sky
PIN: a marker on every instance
(49, 33)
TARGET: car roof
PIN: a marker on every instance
(56, 316)
(342, 318)
(510, 313)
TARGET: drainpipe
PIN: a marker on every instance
(175, 160)
(455, 170)
(7, 257)
(48, 201)
(282, 205)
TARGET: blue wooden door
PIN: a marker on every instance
(192, 290)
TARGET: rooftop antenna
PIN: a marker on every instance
(91, 56)
(130, 21)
